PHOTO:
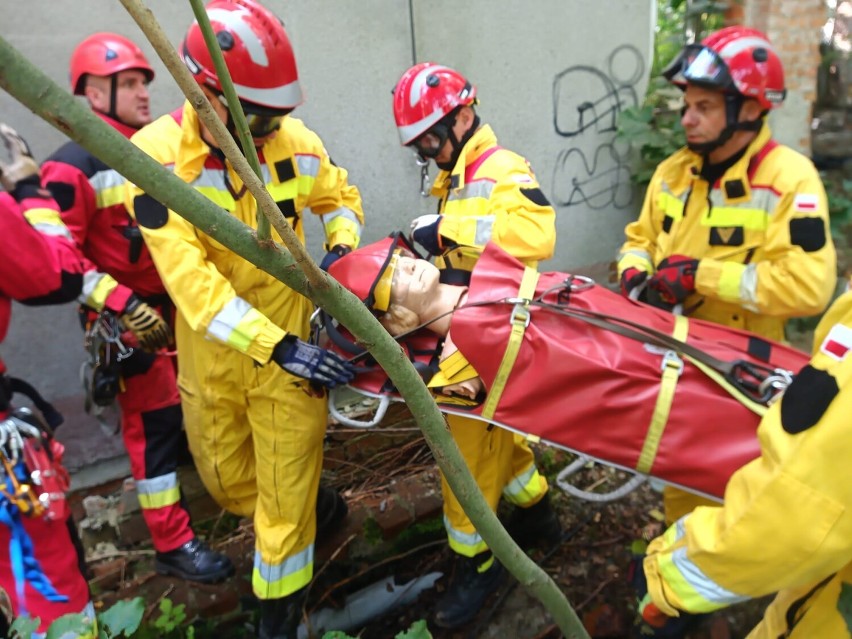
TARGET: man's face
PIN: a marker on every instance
(704, 116)
(414, 283)
(132, 99)
(219, 105)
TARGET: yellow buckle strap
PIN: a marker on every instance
(672, 367)
(520, 320)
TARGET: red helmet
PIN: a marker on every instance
(736, 59)
(257, 52)
(106, 54)
(368, 271)
(425, 94)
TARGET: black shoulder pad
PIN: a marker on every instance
(806, 399)
(64, 194)
(808, 232)
(149, 212)
(536, 196)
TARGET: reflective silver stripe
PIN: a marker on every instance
(342, 212)
(157, 484)
(641, 254)
(518, 485)
(762, 197)
(91, 279)
(307, 164)
(703, 585)
(106, 180)
(54, 230)
(748, 288)
(477, 188)
(227, 320)
(484, 227)
(271, 573)
(461, 538)
(211, 178)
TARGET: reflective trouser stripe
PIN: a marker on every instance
(524, 488)
(466, 544)
(273, 581)
(157, 492)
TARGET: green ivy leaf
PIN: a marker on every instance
(72, 624)
(124, 616)
(418, 630)
(336, 634)
(24, 627)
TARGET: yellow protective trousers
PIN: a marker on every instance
(502, 464)
(256, 436)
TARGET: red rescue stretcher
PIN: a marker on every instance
(615, 381)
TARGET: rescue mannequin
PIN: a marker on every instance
(113, 74)
(734, 227)
(638, 373)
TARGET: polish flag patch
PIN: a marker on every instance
(838, 342)
(805, 203)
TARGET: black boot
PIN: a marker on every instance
(331, 510)
(279, 618)
(468, 589)
(194, 561)
(535, 527)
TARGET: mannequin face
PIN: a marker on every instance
(415, 283)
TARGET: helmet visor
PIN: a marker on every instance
(700, 65)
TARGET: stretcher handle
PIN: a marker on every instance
(381, 409)
(562, 481)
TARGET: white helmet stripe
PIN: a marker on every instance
(234, 21)
(409, 132)
(288, 96)
(740, 44)
(419, 80)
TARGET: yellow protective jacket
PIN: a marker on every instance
(761, 235)
(220, 294)
(786, 523)
(492, 195)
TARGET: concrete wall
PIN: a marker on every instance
(552, 77)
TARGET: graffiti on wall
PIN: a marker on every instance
(593, 171)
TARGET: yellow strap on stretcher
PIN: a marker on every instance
(672, 368)
(520, 320)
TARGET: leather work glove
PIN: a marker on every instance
(633, 282)
(335, 253)
(675, 278)
(146, 324)
(424, 231)
(314, 363)
(21, 169)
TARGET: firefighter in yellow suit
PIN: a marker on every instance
(254, 426)
(734, 227)
(485, 193)
(786, 523)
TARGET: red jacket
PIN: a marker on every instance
(90, 196)
(45, 268)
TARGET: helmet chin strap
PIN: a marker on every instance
(733, 104)
(458, 145)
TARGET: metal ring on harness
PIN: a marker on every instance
(381, 409)
(771, 388)
(562, 481)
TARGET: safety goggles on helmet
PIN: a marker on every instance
(430, 143)
(261, 120)
(700, 65)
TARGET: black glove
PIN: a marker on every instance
(675, 278)
(146, 324)
(311, 362)
(632, 283)
(425, 231)
(335, 253)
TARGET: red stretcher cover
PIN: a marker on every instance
(593, 391)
